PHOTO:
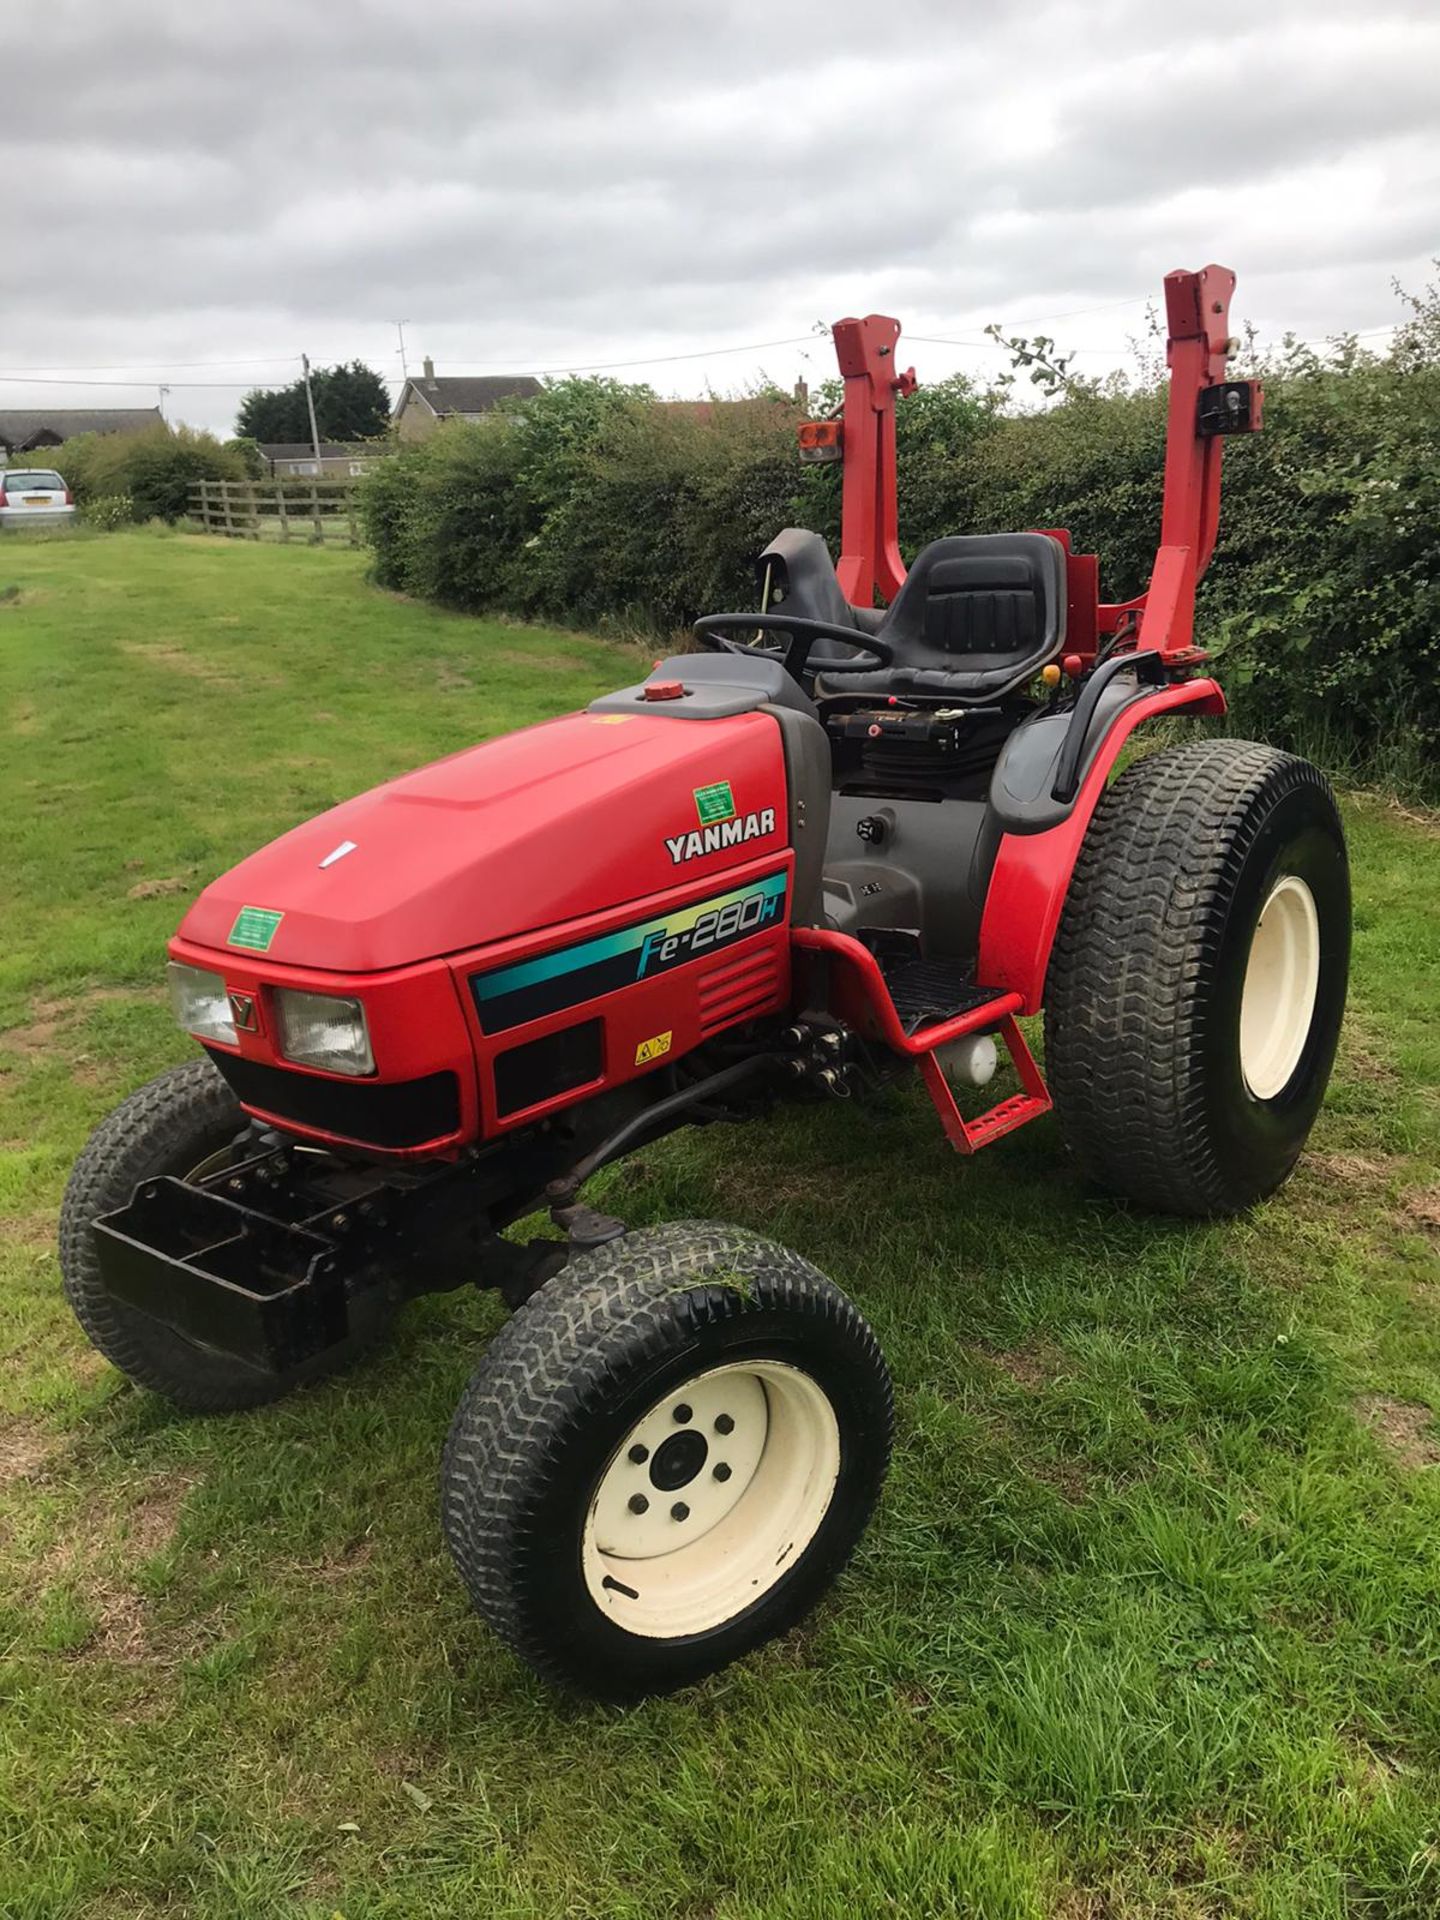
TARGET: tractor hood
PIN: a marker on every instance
(567, 818)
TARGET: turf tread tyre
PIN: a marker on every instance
(168, 1126)
(1146, 943)
(566, 1357)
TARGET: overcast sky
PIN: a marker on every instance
(549, 183)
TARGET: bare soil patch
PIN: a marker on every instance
(194, 666)
(538, 662)
(1421, 1210)
(1030, 1367)
(1348, 1169)
(1361, 1062)
(1405, 1429)
(65, 1007)
(51, 1018)
(1069, 1478)
(1426, 818)
(352, 1558)
(99, 1554)
(33, 1231)
(24, 1450)
(30, 1041)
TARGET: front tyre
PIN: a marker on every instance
(1197, 984)
(665, 1458)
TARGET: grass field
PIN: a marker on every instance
(1149, 1623)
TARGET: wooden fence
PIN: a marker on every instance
(316, 513)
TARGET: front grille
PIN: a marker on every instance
(541, 1069)
(400, 1113)
(738, 990)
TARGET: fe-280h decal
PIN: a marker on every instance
(530, 988)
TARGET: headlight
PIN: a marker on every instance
(201, 1004)
(319, 1030)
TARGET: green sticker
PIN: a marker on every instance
(255, 927)
(714, 803)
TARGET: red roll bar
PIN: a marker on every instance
(1203, 408)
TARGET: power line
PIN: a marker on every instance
(57, 380)
(665, 359)
(160, 366)
(975, 342)
(1313, 340)
(1034, 319)
(998, 346)
(1105, 306)
(570, 366)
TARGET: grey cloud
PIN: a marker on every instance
(591, 178)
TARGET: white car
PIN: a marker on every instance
(34, 497)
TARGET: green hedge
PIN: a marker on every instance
(593, 505)
(154, 470)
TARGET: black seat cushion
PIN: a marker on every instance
(977, 616)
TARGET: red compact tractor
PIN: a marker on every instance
(836, 845)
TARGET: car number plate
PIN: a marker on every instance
(36, 499)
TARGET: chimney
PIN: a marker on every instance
(429, 371)
(802, 395)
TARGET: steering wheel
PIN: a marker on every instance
(713, 633)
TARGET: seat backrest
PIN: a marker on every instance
(800, 575)
(989, 607)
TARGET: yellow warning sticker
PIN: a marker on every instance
(653, 1049)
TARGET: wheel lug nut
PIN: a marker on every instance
(638, 1503)
(679, 1511)
(682, 1413)
(639, 1454)
(722, 1472)
(723, 1423)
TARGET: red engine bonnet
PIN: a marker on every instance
(568, 818)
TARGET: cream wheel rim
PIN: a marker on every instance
(1282, 978)
(711, 1498)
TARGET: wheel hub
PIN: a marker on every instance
(753, 1452)
(678, 1460)
(1282, 980)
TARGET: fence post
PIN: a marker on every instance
(205, 504)
(252, 503)
(350, 514)
(281, 511)
(315, 513)
(229, 528)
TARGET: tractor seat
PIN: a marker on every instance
(977, 616)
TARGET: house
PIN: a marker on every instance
(425, 402)
(28, 429)
(295, 460)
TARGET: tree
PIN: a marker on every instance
(351, 403)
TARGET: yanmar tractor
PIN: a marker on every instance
(839, 845)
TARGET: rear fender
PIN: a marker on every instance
(1031, 875)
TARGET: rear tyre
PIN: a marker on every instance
(665, 1458)
(1197, 984)
(181, 1123)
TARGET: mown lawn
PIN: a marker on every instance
(1150, 1619)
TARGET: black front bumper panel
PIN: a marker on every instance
(224, 1275)
(390, 1115)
